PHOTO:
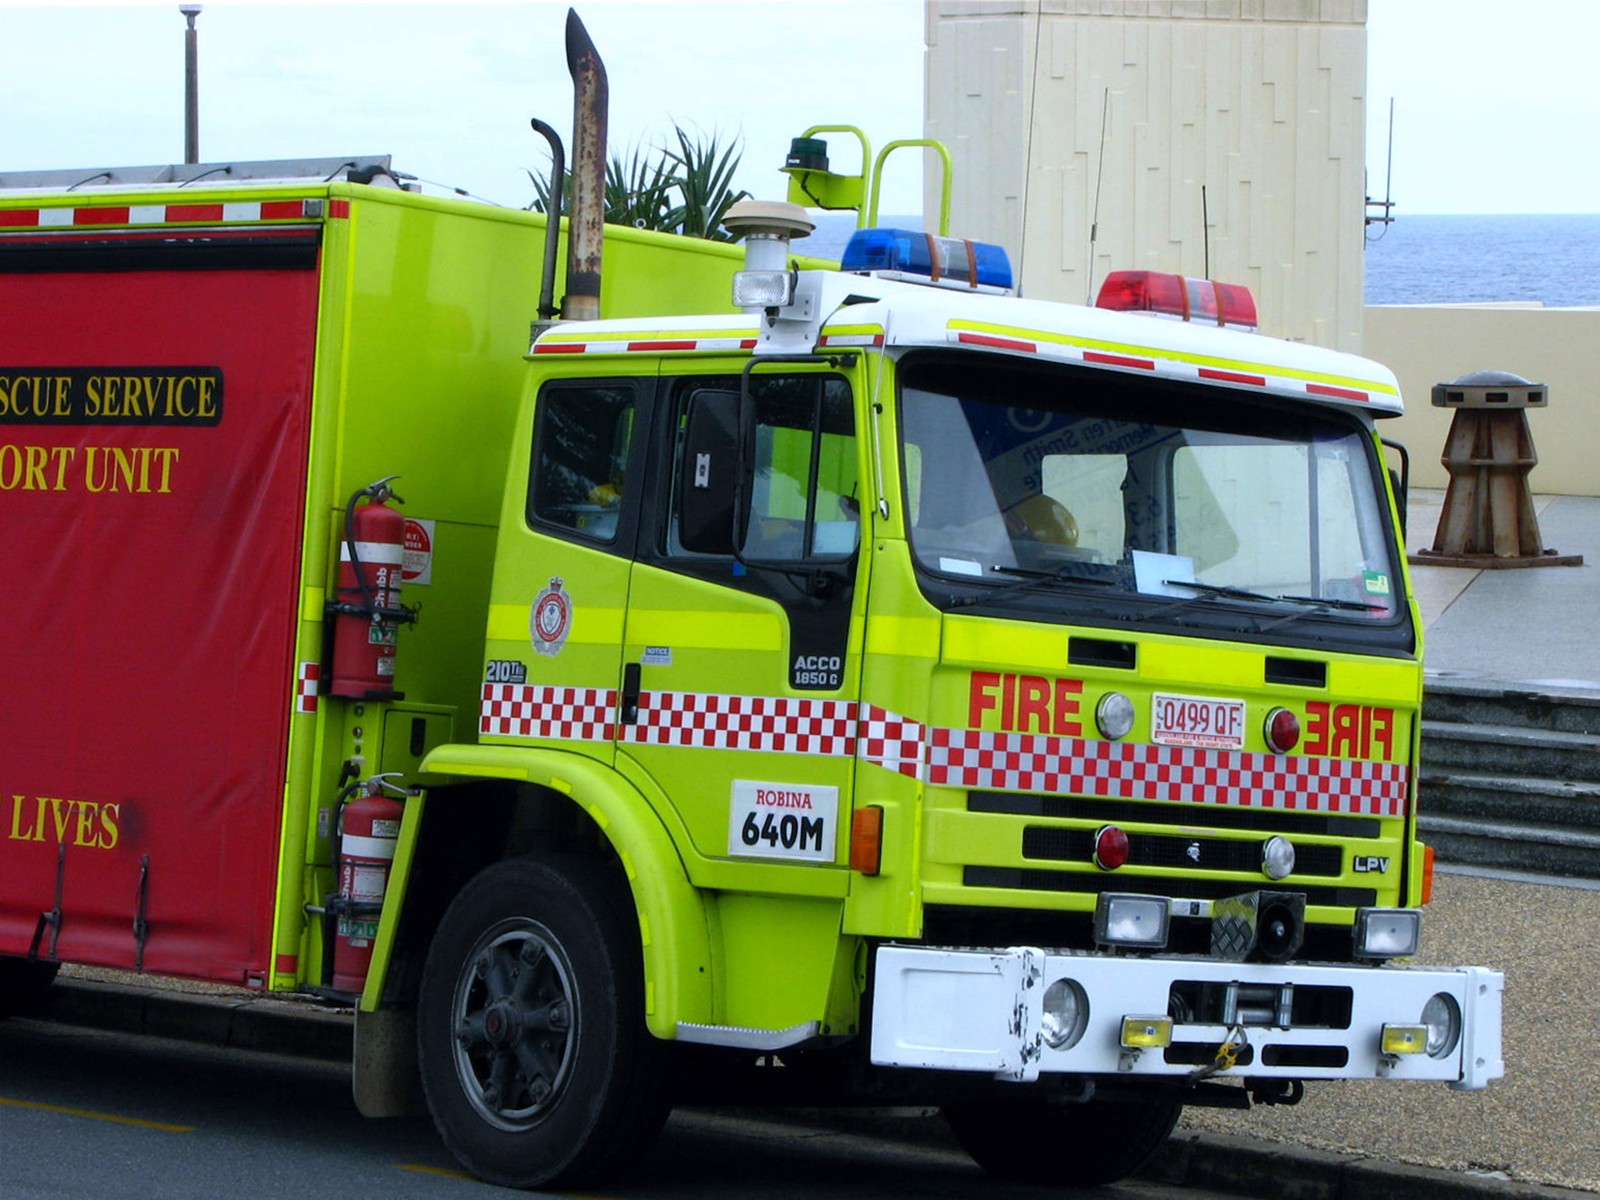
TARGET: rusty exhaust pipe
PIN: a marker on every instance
(586, 226)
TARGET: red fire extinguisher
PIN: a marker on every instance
(369, 827)
(368, 613)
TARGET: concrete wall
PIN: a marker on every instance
(1559, 347)
(1259, 102)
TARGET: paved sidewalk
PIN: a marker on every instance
(1534, 626)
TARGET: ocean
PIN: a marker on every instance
(1554, 260)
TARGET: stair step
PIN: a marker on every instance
(1559, 802)
(1491, 749)
(1512, 846)
(1495, 704)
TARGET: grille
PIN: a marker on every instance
(1158, 850)
(1034, 879)
(1147, 813)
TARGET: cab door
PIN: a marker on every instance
(741, 671)
(568, 532)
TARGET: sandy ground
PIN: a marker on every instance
(1541, 1123)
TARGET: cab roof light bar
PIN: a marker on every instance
(1204, 300)
(923, 258)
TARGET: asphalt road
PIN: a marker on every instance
(87, 1114)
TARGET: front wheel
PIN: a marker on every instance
(1079, 1145)
(534, 1057)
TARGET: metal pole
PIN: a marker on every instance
(191, 85)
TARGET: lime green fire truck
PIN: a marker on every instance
(804, 684)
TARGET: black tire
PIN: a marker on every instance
(24, 985)
(1068, 1145)
(535, 1060)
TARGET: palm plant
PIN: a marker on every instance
(705, 184)
(685, 191)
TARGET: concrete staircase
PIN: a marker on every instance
(1511, 779)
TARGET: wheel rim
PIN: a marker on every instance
(516, 1024)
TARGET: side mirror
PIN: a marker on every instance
(1400, 480)
(709, 484)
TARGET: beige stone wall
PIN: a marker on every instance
(1260, 102)
(1559, 347)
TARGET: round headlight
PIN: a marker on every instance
(1442, 1016)
(1113, 716)
(1065, 1016)
(1277, 857)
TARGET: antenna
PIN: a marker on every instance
(1205, 230)
(1385, 207)
(1099, 175)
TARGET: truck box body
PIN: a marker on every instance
(192, 384)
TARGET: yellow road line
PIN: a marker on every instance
(97, 1116)
(447, 1172)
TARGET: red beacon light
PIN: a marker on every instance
(1229, 305)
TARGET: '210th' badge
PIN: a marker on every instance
(551, 618)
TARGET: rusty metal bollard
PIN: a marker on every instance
(1488, 518)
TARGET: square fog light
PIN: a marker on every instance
(1405, 1039)
(1146, 1033)
(1127, 919)
(1387, 932)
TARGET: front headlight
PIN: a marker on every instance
(1442, 1016)
(1129, 919)
(1387, 932)
(1066, 1014)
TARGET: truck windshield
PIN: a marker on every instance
(1108, 498)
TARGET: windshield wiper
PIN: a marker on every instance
(1217, 589)
(1332, 602)
(1313, 602)
(1064, 574)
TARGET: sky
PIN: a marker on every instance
(1493, 112)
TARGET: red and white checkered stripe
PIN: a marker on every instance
(775, 724)
(305, 687)
(964, 758)
(558, 713)
(1015, 762)
(892, 741)
(89, 216)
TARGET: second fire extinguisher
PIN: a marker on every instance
(368, 613)
(369, 828)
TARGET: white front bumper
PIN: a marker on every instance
(980, 1010)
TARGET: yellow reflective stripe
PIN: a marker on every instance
(833, 330)
(974, 639)
(586, 335)
(591, 624)
(1217, 665)
(908, 637)
(706, 630)
(1198, 360)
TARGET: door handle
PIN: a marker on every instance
(630, 693)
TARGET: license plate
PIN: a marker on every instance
(1198, 721)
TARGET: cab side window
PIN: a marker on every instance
(804, 487)
(581, 446)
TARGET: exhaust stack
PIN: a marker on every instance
(586, 226)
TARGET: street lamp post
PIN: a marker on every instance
(191, 85)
